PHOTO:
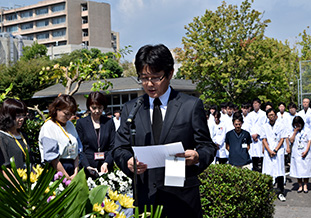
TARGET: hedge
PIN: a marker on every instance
(228, 191)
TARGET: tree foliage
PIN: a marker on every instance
(34, 52)
(78, 71)
(226, 54)
(110, 64)
(24, 76)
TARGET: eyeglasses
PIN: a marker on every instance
(67, 113)
(152, 79)
(21, 116)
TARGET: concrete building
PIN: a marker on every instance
(11, 48)
(62, 25)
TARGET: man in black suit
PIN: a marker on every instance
(183, 120)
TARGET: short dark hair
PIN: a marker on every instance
(60, 103)
(257, 100)
(292, 105)
(237, 116)
(269, 111)
(156, 58)
(214, 107)
(245, 105)
(9, 109)
(96, 98)
(299, 120)
(230, 105)
(217, 114)
(281, 103)
(268, 103)
(223, 104)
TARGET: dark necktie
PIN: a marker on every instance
(157, 120)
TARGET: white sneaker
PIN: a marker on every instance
(281, 197)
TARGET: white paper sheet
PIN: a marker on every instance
(175, 171)
(154, 155)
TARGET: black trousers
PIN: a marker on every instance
(257, 164)
(280, 184)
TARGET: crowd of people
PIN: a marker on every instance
(264, 141)
(248, 138)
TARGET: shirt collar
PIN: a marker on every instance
(163, 98)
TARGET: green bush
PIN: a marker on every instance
(228, 191)
(32, 128)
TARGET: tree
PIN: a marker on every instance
(35, 51)
(25, 78)
(128, 69)
(110, 64)
(226, 54)
(81, 70)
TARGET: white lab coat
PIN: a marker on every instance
(219, 138)
(274, 166)
(256, 121)
(301, 167)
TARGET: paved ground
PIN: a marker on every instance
(297, 205)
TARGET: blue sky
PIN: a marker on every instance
(141, 22)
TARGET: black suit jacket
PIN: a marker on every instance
(88, 137)
(184, 121)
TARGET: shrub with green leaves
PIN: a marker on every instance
(228, 191)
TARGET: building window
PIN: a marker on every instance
(59, 7)
(26, 14)
(84, 20)
(29, 37)
(42, 23)
(84, 7)
(116, 102)
(27, 26)
(59, 33)
(58, 20)
(12, 29)
(43, 35)
(40, 11)
(85, 33)
(11, 16)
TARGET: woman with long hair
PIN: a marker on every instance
(59, 142)
(13, 143)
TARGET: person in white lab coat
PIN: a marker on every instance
(305, 113)
(257, 120)
(300, 167)
(219, 139)
(273, 134)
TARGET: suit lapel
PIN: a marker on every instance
(144, 114)
(173, 107)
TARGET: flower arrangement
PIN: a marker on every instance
(30, 193)
(115, 180)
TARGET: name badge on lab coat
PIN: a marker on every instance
(244, 145)
(71, 150)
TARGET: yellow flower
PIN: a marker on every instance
(98, 208)
(24, 178)
(33, 177)
(47, 190)
(21, 172)
(113, 195)
(38, 169)
(126, 201)
(120, 215)
(110, 206)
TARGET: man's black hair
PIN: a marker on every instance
(156, 58)
(269, 111)
(292, 105)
